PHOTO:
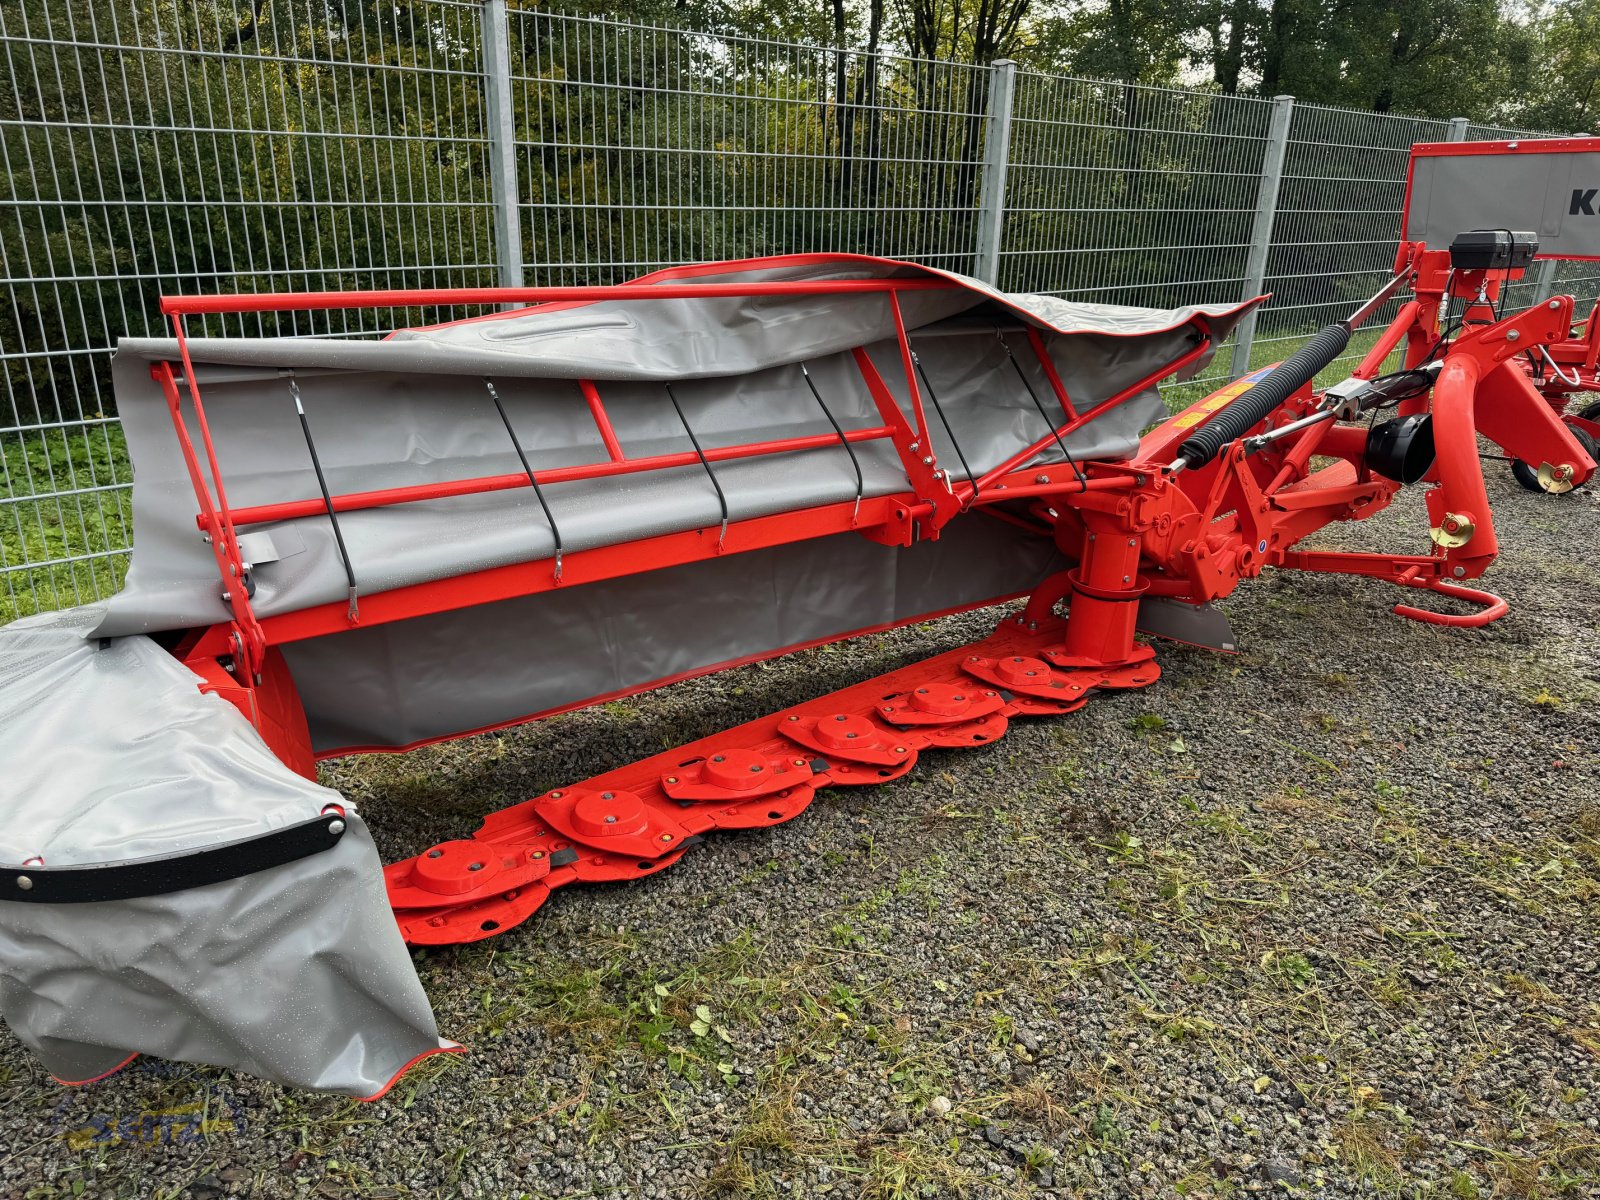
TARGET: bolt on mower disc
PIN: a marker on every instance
(460, 871)
(1026, 676)
(1141, 671)
(1022, 670)
(608, 813)
(640, 830)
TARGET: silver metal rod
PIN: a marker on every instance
(1356, 319)
(1263, 440)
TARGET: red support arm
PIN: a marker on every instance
(446, 297)
(602, 420)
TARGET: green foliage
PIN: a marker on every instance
(1292, 970)
(1561, 90)
(1489, 60)
(59, 527)
(339, 147)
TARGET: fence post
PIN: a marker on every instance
(502, 132)
(1545, 282)
(996, 158)
(1255, 269)
(1458, 130)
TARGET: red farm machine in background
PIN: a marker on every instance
(353, 546)
(1568, 378)
(1567, 375)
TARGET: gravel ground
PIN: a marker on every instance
(1319, 918)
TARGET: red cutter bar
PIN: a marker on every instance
(633, 821)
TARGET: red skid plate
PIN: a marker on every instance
(461, 872)
(1041, 679)
(849, 736)
(734, 773)
(639, 818)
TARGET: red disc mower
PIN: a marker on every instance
(345, 545)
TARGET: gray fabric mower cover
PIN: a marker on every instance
(297, 972)
(415, 409)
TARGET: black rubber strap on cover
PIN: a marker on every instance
(167, 873)
(1248, 410)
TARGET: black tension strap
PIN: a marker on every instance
(916, 361)
(166, 873)
(327, 497)
(710, 474)
(1055, 432)
(555, 533)
(843, 441)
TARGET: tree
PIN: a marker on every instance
(1560, 90)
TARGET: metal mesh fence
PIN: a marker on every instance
(204, 145)
(1337, 227)
(641, 147)
(1131, 195)
(187, 147)
(1338, 223)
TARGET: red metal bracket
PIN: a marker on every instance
(215, 522)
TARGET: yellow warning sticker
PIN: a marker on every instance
(1212, 403)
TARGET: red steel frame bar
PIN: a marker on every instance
(602, 421)
(443, 297)
(1044, 443)
(1404, 319)
(205, 428)
(916, 456)
(1049, 369)
(351, 501)
(214, 519)
(911, 375)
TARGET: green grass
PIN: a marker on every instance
(1268, 348)
(49, 530)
